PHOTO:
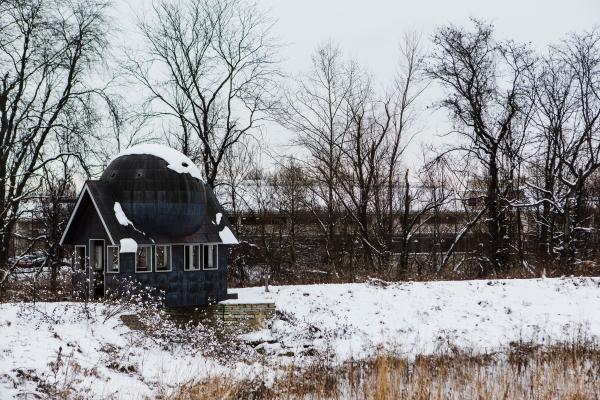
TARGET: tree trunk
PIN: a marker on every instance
(495, 246)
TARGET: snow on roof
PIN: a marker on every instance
(227, 237)
(128, 245)
(123, 220)
(176, 160)
(120, 214)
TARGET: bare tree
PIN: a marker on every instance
(210, 65)
(362, 153)
(391, 206)
(435, 215)
(46, 50)
(355, 140)
(291, 189)
(317, 110)
(55, 205)
(567, 136)
(488, 100)
(235, 175)
(261, 204)
(579, 146)
(555, 108)
(125, 127)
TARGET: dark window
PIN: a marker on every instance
(112, 259)
(163, 258)
(144, 259)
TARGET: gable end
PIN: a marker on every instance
(85, 191)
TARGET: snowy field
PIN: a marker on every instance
(416, 318)
(66, 344)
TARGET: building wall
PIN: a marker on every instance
(181, 288)
(86, 226)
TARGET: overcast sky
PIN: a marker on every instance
(370, 31)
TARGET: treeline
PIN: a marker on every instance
(513, 191)
(512, 186)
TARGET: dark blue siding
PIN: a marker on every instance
(181, 288)
(86, 225)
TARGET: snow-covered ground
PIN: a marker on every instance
(70, 346)
(91, 350)
(353, 320)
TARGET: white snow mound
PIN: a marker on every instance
(128, 245)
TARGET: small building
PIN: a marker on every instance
(150, 220)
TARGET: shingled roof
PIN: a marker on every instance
(104, 203)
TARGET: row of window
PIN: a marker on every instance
(196, 257)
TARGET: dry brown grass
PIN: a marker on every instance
(565, 371)
(23, 287)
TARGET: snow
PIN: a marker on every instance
(176, 160)
(123, 220)
(415, 318)
(227, 237)
(92, 348)
(120, 214)
(128, 245)
(342, 320)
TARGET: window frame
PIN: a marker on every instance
(109, 259)
(156, 257)
(216, 261)
(84, 257)
(93, 253)
(142, 246)
(188, 247)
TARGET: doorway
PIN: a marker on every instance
(96, 268)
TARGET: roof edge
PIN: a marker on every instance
(85, 189)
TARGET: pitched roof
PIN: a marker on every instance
(101, 195)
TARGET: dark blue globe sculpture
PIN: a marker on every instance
(155, 197)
